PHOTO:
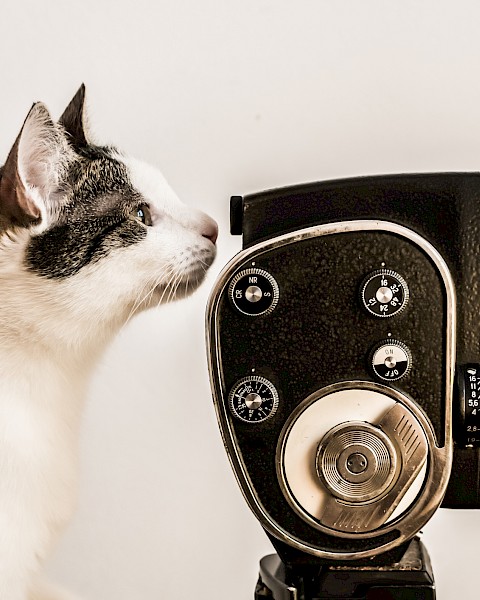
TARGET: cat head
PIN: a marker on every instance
(91, 229)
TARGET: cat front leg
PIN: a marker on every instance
(44, 590)
(30, 523)
(22, 543)
(13, 586)
(20, 581)
(18, 558)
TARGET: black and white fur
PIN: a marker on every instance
(88, 238)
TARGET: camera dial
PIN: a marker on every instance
(384, 293)
(391, 360)
(254, 292)
(253, 399)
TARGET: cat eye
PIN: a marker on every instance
(142, 213)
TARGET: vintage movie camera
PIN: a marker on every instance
(344, 356)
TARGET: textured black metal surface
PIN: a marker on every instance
(320, 334)
(428, 203)
(463, 488)
(444, 208)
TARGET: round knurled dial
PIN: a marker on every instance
(384, 293)
(254, 292)
(253, 399)
(391, 360)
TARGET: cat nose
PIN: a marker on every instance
(210, 230)
(202, 224)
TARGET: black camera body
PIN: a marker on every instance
(344, 350)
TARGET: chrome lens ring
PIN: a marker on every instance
(357, 462)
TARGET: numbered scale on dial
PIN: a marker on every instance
(254, 292)
(468, 382)
(384, 293)
(253, 399)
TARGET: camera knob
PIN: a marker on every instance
(391, 360)
(253, 399)
(254, 292)
(384, 293)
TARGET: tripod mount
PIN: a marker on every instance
(411, 578)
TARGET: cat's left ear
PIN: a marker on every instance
(74, 120)
(33, 169)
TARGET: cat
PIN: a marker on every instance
(89, 237)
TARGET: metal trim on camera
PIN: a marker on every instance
(415, 467)
(385, 437)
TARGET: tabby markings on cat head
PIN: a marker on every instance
(83, 204)
(99, 216)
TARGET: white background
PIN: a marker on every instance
(228, 98)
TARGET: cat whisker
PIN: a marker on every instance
(170, 281)
(187, 283)
(203, 263)
(141, 298)
(174, 285)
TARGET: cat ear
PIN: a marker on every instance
(32, 169)
(74, 119)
